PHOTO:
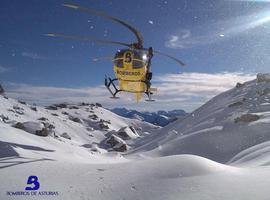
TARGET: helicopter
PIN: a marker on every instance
(132, 64)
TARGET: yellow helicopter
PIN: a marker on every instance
(132, 65)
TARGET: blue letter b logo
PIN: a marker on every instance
(34, 181)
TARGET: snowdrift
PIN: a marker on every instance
(223, 127)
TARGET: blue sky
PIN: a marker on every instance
(222, 42)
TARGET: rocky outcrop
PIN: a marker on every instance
(65, 135)
(117, 143)
(239, 85)
(75, 119)
(127, 133)
(2, 91)
(36, 128)
(263, 92)
(263, 77)
(247, 118)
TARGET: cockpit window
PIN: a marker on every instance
(137, 64)
(138, 58)
(118, 62)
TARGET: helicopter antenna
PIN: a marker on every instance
(102, 14)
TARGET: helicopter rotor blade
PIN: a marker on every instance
(85, 38)
(102, 58)
(171, 57)
(166, 55)
(102, 14)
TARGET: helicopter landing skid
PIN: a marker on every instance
(149, 95)
(110, 82)
(115, 97)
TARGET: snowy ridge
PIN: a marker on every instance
(210, 130)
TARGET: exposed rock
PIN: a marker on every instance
(2, 91)
(52, 107)
(43, 133)
(264, 91)
(121, 148)
(75, 119)
(103, 126)
(127, 133)
(47, 130)
(238, 103)
(33, 108)
(54, 114)
(49, 126)
(36, 128)
(19, 125)
(93, 116)
(22, 102)
(105, 121)
(98, 105)
(247, 118)
(117, 143)
(43, 119)
(114, 140)
(4, 118)
(65, 135)
(88, 146)
(11, 110)
(133, 130)
(263, 77)
(73, 107)
(238, 85)
(123, 135)
(61, 105)
(84, 104)
(18, 110)
(65, 113)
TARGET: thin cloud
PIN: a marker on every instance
(255, 1)
(220, 30)
(175, 91)
(199, 84)
(33, 56)
(182, 39)
(189, 90)
(4, 69)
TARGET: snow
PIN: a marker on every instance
(210, 130)
(206, 155)
(150, 22)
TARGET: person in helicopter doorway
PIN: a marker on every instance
(149, 74)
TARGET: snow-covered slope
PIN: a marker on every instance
(159, 118)
(226, 125)
(86, 128)
(84, 162)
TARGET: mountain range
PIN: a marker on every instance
(159, 118)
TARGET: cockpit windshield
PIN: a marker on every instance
(139, 58)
